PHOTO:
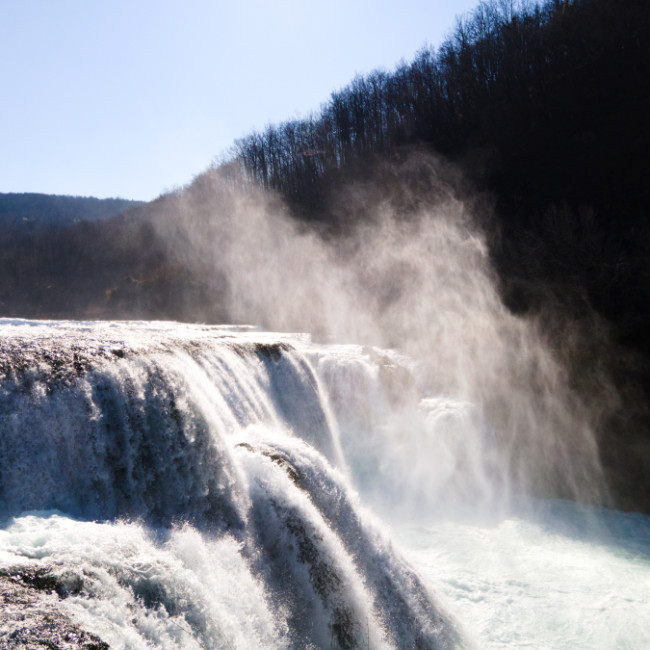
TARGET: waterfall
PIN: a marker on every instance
(183, 486)
(193, 479)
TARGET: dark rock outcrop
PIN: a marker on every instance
(30, 617)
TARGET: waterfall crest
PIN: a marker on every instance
(188, 486)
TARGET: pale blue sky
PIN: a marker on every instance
(134, 97)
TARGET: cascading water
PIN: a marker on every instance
(176, 486)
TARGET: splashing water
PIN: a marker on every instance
(202, 487)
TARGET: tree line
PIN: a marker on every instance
(544, 106)
(542, 103)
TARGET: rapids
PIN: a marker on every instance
(179, 486)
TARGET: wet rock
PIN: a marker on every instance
(30, 615)
(278, 458)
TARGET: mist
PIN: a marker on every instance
(412, 272)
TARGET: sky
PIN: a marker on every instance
(134, 98)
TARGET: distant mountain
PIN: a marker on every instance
(33, 211)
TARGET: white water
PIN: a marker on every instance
(211, 487)
(527, 582)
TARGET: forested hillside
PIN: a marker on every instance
(544, 106)
(31, 211)
(46, 250)
(538, 112)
